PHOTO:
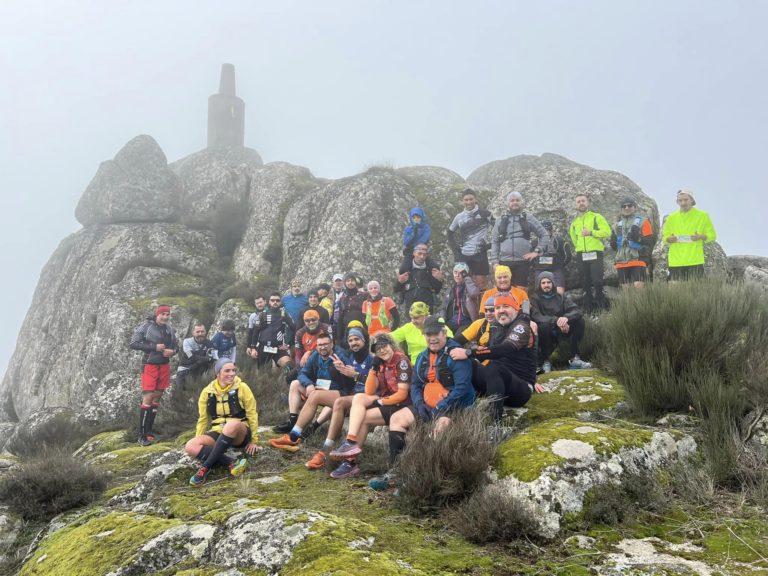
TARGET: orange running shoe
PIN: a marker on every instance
(317, 461)
(285, 443)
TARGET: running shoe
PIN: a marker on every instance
(238, 468)
(198, 478)
(144, 441)
(346, 450)
(578, 363)
(285, 443)
(347, 469)
(317, 461)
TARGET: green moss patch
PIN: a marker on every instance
(133, 459)
(199, 503)
(527, 454)
(122, 488)
(572, 393)
(94, 547)
(104, 442)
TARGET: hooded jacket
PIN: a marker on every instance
(547, 308)
(419, 233)
(148, 335)
(460, 392)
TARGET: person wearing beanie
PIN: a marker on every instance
(632, 241)
(419, 279)
(313, 299)
(685, 232)
(468, 237)
(557, 317)
(587, 232)
(461, 306)
(511, 240)
(157, 341)
(225, 342)
(503, 276)
(350, 305)
(227, 418)
(557, 256)
(509, 376)
(321, 383)
(380, 311)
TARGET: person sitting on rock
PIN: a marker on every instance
(410, 336)
(295, 302)
(463, 297)
(225, 342)
(440, 386)
(196, 356)
(306, 337)
(417, 231)
(355, 366)
(380, 312)
(319, 383)
(557, 317)
(510, 376)
(155, 338)
(419, 279)
(503, 276)
(313, 299)
(479, 332)
(270, 337)
(386, 391)
(228, 418)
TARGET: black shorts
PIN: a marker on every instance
(265, 357)
(686, 272)
(631, 274)
(387, 411)
(245, 442)
(521, 272)
(478, 264)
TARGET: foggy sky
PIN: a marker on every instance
(671, 93)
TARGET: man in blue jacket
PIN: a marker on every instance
(295, 302)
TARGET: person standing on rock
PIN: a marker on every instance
(587, 232)
(468, 237)
(295, 302)
(228, 407)
(511, 240)
(632, 241)
(270, 338)
(155, 338)
(557, 317)
(420, 280)
(557, 257)
(225, 342)
(685, 232)
(196, 356)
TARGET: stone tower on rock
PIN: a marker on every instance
(226, 113)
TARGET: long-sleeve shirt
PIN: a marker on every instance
(246, 400)
(683, 225)
(599, 227)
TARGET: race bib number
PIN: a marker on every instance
(323, 384)
(270, 349)
(685, 239)
(588, 256)
(546, 259)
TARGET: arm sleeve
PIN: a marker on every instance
(187, 348)
(395, 318)
(251, 412)
(538, 316)
(417, 387)
(138, 339)
(425, 234)
(541, 234)
(573, 233)
(709, 229)
(233, 354)
(603, 230)
(371, 383)
(462, 384)
(493, 256)
(202, 411)
(398, 397)
(307, 374)
(408, 236)
(571, 310)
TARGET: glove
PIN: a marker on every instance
(634, 234)
(424, 412)
(376, 364)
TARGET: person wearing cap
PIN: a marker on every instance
(468, 237)
(227, 418)
(271, 335)
(196, 356)
(225, 342)
(587, 232)
(509, 378)
(420, 280)
(385, 392)
(410, 336)
(321, 383)
(313, 299)
(511, 240)
(557, 317)
(632, 240)
(557, 257)
(503, 276)
(380, 312)
(685, 232)
(295, 302)
(350, 305)
(461, 306)
(155, 338)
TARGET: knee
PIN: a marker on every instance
(295, 386)
(232, 428)
(192, 447)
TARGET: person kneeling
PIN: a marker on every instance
(228, 406)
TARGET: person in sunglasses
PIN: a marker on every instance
(632, 241)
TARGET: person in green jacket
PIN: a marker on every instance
(410, 337)
(685, 232)
(587, 232)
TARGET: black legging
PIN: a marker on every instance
(591, 276)
(497, 380)
(548, 341)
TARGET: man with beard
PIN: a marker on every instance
(468, 237)
(196, 356)
(350, 305)
(270, 336)
(587, 232)
(510, 375)
(685, 232)
(632, 241)
(294, 302)
(313, 299)
(421, 281)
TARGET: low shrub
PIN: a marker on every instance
(49, 484)
(618, 503)
(60, 432)
(492, 516)
(270, 388)
(436, 471)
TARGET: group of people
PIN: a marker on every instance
(346, 352)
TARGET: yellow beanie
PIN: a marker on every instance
(503, 270)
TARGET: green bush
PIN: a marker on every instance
(269, 386)
(49, 484)
(60, 432)
(492, 516)
(434, 472)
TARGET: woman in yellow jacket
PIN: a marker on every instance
(228, 418)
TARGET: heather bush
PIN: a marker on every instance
(490, 515)
(62, 431)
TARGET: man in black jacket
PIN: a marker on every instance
(422, 281)
(157, 341)
(557, 317)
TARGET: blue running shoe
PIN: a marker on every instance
(347, 469)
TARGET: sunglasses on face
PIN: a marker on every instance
(274, 299)
(627, 205)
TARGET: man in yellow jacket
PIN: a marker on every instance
(685, 232)
(587, 232)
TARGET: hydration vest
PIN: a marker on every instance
(525, 226)
(620, 234)
(381, 315)
(232, 404)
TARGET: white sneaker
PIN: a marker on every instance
(546, 367)
(578, 363)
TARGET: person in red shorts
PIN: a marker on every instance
(155, 338)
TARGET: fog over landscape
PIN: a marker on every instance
(671, 94)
